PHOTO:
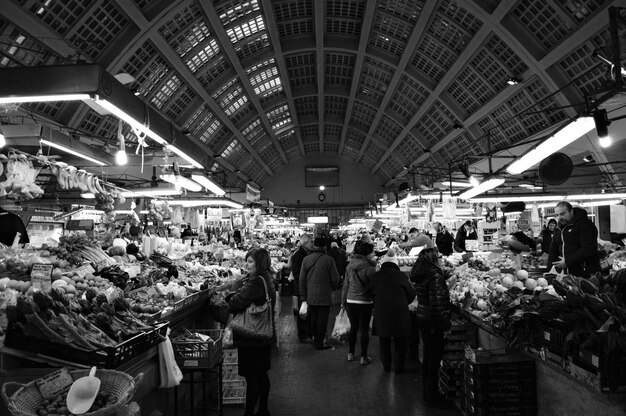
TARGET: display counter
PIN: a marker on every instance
(563, 387)
(23, 366)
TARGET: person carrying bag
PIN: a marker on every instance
(252, 307)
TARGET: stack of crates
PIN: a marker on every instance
(451, 379)
(461, 333)
(499, 385)
(234, 391)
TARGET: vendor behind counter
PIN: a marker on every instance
(10, 225)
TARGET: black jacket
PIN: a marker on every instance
(433, 296)
(252, 291)
(577, 242)
(461, 236)
(341, 259)
(444, 241)
(546, 240)
(296, 266)
(392, 292)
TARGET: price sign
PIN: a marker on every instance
(55, 383)
(84, 270)
(41, 275)
(472, 245)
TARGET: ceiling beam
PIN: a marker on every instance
(229, 49)
(366, 27)
(413, 42)
(149, 30)
(282, 68)
(318, 19)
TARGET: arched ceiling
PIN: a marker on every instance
(387, 83)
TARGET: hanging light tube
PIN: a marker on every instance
(139, 193)
(178, 180)
(588, 197)
(520, 197)
(485, 186)
(72, 152)
(184, 155)
(43, 98)
(209, 202)
(208, 184)
(565, 136)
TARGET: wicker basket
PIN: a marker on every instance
(27, 398)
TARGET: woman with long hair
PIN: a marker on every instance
(433, 316)
(254, 359)
(357, 302)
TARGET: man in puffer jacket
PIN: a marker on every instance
(433, 316)
(575, 247)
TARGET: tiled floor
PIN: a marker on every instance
(320, 383)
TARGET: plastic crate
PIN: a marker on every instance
(610, 369)
(554, 332)
(234, 395)
(109, 358)
(499, 410)
(198, 353)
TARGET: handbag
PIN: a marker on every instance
(253, 327)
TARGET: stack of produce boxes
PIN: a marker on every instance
(499, 385)
(234, 385)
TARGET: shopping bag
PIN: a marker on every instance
(342, 326)
(278, 307)
(227, 338)
(253, 327)
(170, 372)
(304, 310)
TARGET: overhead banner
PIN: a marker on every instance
(252, 194)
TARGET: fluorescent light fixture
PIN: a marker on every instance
(181, 181)
(208, 184)
(565, 136)
(588, 197)
(408, 199)
(208, 202)
(143, 192)
(118, 112)
(601, 203)
(519, 197)
(317, 220)
(72, 152)
(3, 140)
(457, 184)
(43, 98)
(473, 180)
(529, 186)
(487, 185)
(69, 214)
(184, 155)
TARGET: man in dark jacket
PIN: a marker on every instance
(340, 257)
(303, 324)
(318, 279)
(466, 232)
(575, 246)
(443, 240)
(392, 292)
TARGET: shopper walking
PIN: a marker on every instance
(433, 316)
(357, 302)
(254, 361)
(318, 279)
(341, 258)
(392, 292)
(303, 325)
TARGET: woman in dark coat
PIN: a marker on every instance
(254, 360)
(433, 316)
(392, 292)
